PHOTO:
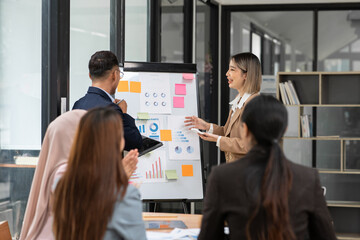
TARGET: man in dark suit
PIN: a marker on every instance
(105, 75)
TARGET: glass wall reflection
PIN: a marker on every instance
(136, 30)
(172, 31)
(89, 32)
(339, 47)
(206, 61)
(20, 105)
(283, 41)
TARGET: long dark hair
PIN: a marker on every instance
(86, 195)
(266, 118)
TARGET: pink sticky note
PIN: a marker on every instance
(178, 102)
(180, 89)
(188, 76)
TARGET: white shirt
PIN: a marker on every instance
(237, 103)
(110, 96)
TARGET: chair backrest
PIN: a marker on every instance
(5, 231)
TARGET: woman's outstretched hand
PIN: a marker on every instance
(195, 122)
(209, 137)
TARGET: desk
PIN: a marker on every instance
(190, 220)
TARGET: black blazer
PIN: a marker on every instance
(228, 198)
(95, 97)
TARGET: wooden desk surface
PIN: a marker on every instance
(190, 220)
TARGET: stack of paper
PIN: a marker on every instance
(177, 233)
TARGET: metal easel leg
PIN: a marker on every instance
(185, 207)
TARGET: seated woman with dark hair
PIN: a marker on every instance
(93, 199)
(265, 196)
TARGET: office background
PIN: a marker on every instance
(45, 47)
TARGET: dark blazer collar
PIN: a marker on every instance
(98, 91)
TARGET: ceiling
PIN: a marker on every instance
(335, 30)
(252, 2)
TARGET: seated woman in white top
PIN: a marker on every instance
(93, 199)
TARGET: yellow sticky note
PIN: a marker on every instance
(123, 86)
(143, 115)
(165, 135)
(171, 174)
(187, 170)
(135, 87)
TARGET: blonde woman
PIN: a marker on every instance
(244, 75)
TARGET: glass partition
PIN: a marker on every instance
(339, 41)
(172, 31)
(136, 30)
(20, 105)
(282, 40)
(89, 32)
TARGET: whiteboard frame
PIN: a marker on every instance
(171, 68)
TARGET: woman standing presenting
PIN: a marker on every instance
(244, 75)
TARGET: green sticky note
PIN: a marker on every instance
(171, 174)
(143, 115)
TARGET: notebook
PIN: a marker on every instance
(153, 224)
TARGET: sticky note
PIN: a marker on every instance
(123, 86)
(180, 89)
(187, 170)
(135, 87)
(143, 115)
(165, 135)
(188, 76)
(171, 174)
(178, 102)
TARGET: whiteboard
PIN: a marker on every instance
(165, 93)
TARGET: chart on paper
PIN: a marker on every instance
(185, 143)
(155, 93)
(149, 127)
(151, 168)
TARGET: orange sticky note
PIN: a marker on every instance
(123, 86)
(135, 87)
(165, 135)
(187, 170)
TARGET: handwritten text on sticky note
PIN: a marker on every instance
(178, 102)
(180, 89)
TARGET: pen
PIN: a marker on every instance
(119, 101)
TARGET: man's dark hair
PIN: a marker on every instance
(100, 62)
